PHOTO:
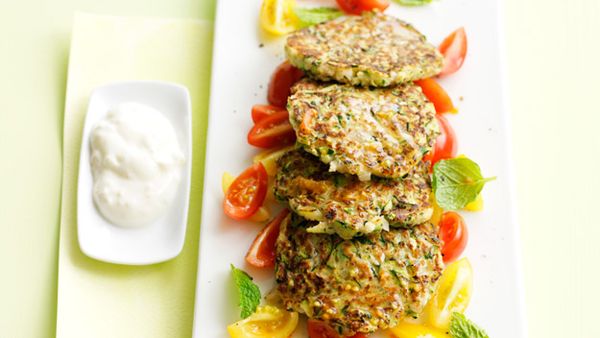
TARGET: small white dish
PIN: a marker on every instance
(162, 239)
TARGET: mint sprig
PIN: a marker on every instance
(312, 16)
(462, 327)
(457, 182)
(413, 2)
(248, 292)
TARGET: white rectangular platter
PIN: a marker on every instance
(243, 61)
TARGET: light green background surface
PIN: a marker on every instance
(139, 301)
(553, 53)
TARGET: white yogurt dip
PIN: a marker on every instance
(136, 164)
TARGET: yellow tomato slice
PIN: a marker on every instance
(226, 181)
(261, 215)
(270, 196)
(407, 330)
(453, 294)
(267, 322)
(277, 16)
(476, 205)
(436, 216)
(269, 158)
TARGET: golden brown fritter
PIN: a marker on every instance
(357, 285)
(343, 204)
(360, 131)
(373, 49)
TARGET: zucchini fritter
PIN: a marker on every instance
(344, 205)
(362, 131)
(373, 49)
(357, 285)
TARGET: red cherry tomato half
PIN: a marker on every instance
(454, 49)
(260, 111)
(437, 95)
(319, 329)
(454, 234)
(282, 80)
(247, 193)
(274, 130)
(445, 145)
(359, 6)
(262, 251)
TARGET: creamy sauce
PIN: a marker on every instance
(136, 164)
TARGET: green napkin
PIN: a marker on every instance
(98, 299)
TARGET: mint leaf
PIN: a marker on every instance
(312, 16)
(412, 2)
(462, 327)
(248, 292)
(457, 182)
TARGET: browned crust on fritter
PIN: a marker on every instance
(369, 50)
(360, 131)
(347, 206)
(357, 285)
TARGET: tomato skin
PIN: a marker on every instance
(277, 16)
(267, 322)
(260, 111)
(409, 330)
(320, 329)
(282, 80)
(271, 131)
(453, 232)
(436, 95)
(453, 294)
(247, 193)
(445, 145)
(454, 49)
(358, 6)
(262, 251)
